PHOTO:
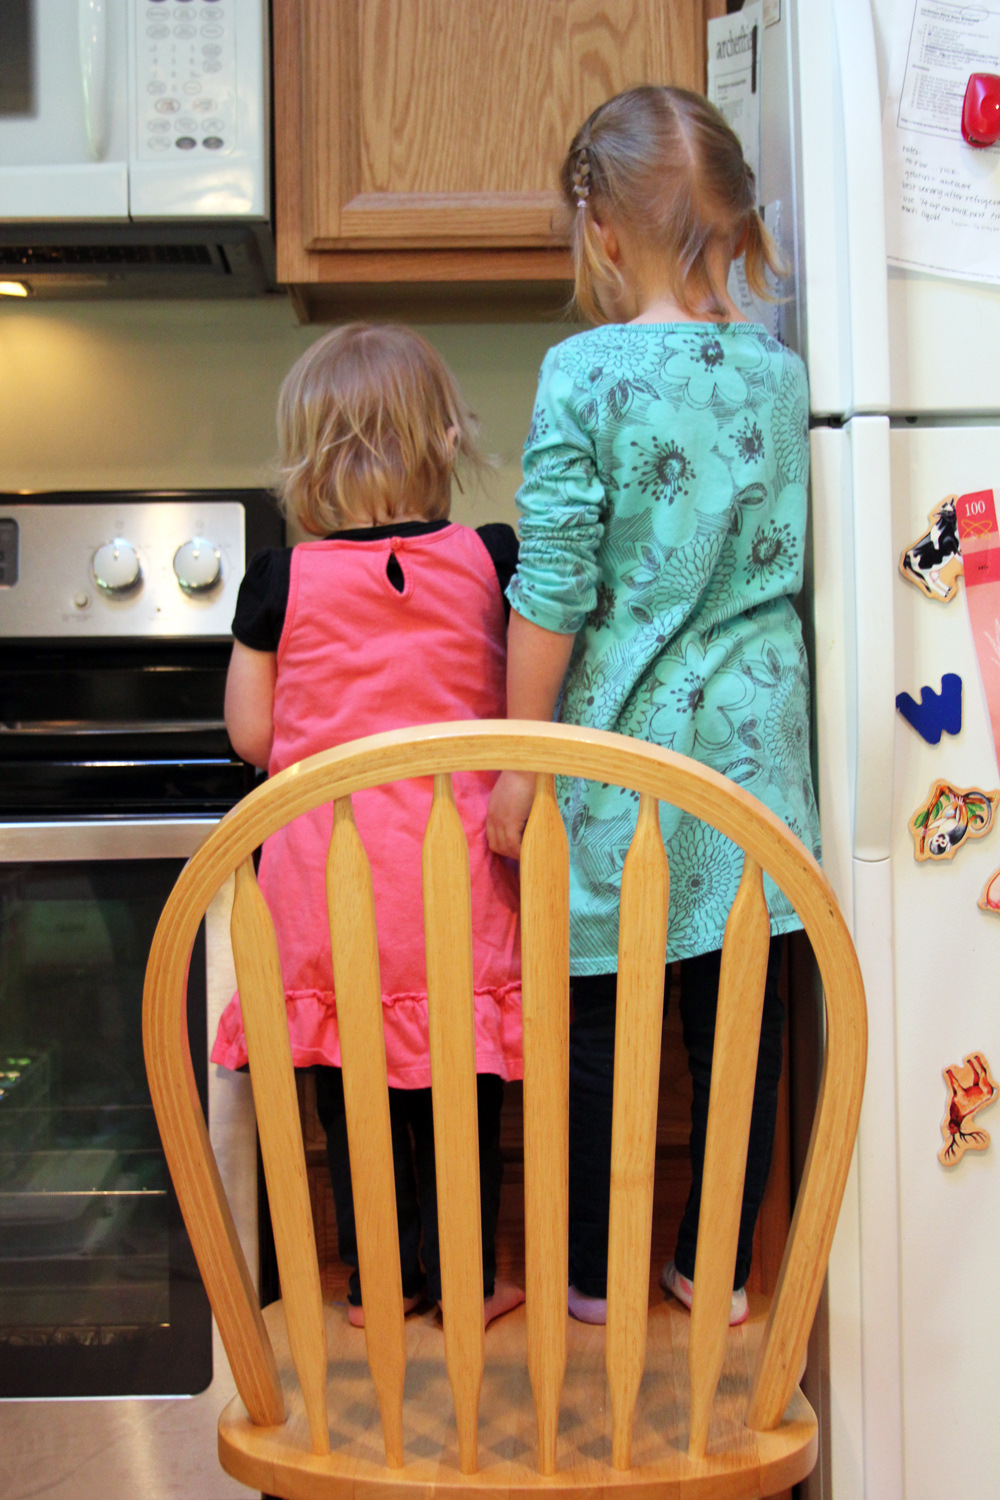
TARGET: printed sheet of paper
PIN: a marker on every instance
(768, 313)
(942, 195)
(976, 517)
(734, 50)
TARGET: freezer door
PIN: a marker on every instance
(841, 224)
(943, 333)
(63, 110)
(947, 960)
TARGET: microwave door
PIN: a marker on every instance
(63, 110)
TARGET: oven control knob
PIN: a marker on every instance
(198, 565)
(116, 566)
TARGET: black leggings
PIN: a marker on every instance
(591, 1082)
(412, 1123)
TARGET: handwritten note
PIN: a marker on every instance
(942, 195)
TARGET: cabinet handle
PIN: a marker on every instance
(92, 30)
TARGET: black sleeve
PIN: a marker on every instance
(263, 599)
(500, 541)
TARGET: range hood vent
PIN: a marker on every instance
(55, 257)
(139, 260)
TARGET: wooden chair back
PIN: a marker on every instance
(548, 750)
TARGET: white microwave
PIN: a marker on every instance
(119, 110)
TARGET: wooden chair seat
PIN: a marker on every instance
(685, 1405)
(279, 1460)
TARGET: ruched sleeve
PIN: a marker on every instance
(561, 505)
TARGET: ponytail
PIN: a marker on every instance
(598, 283)
(760, 255)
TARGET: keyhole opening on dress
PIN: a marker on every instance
(394, 573)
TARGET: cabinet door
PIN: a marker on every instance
(442, 123)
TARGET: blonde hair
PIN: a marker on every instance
(663, 165)
(370, 426)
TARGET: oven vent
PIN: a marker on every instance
(75, 257)
(143, 259)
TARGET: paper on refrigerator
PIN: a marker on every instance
(734, 49)
(755, 308)
(942, 195)
(734, 53)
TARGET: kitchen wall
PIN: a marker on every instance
(178, 394)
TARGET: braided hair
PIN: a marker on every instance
(663, 164)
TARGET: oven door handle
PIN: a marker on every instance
(110, 726)
(51, 841)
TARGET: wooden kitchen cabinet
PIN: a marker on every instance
(418, 142)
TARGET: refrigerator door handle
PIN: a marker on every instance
(866, 262)
(875, 651)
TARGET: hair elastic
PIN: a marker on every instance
(581, 178)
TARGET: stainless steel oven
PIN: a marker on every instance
(114, 765)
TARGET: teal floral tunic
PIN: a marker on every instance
(663, 516)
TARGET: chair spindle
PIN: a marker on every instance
(545, 1014)
(821, 1189)
(265, 1022)
(734, 1070)
(354, 945)
(642, 947)
(451, 1024)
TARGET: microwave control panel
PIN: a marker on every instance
(185, 78)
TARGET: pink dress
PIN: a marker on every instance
(357, 657)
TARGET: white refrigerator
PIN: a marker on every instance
(905, 402)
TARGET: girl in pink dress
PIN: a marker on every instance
(394, 616)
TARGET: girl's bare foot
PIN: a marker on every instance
(506, 1296)
(356, 1315)
(587, 1309)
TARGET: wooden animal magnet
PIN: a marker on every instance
(950, 816)
(970, 1089)
(936, 713)
(990, 899)
(934, 561)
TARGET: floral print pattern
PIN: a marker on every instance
(774, 549)
(665, 470)
(662, 522)
(711, 364)
(791, 429)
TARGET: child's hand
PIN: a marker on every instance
(508, 812)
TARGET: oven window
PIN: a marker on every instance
(99, 1291)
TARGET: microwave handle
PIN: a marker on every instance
(92, 29)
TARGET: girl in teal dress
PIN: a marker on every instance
(662, 522)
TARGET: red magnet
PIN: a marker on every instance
(981, 109)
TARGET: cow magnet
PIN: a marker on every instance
(948, 817)
(934, 561)
(936, 713)
(970, 1089)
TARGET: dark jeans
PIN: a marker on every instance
(591, 1082)
(412, 1123)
